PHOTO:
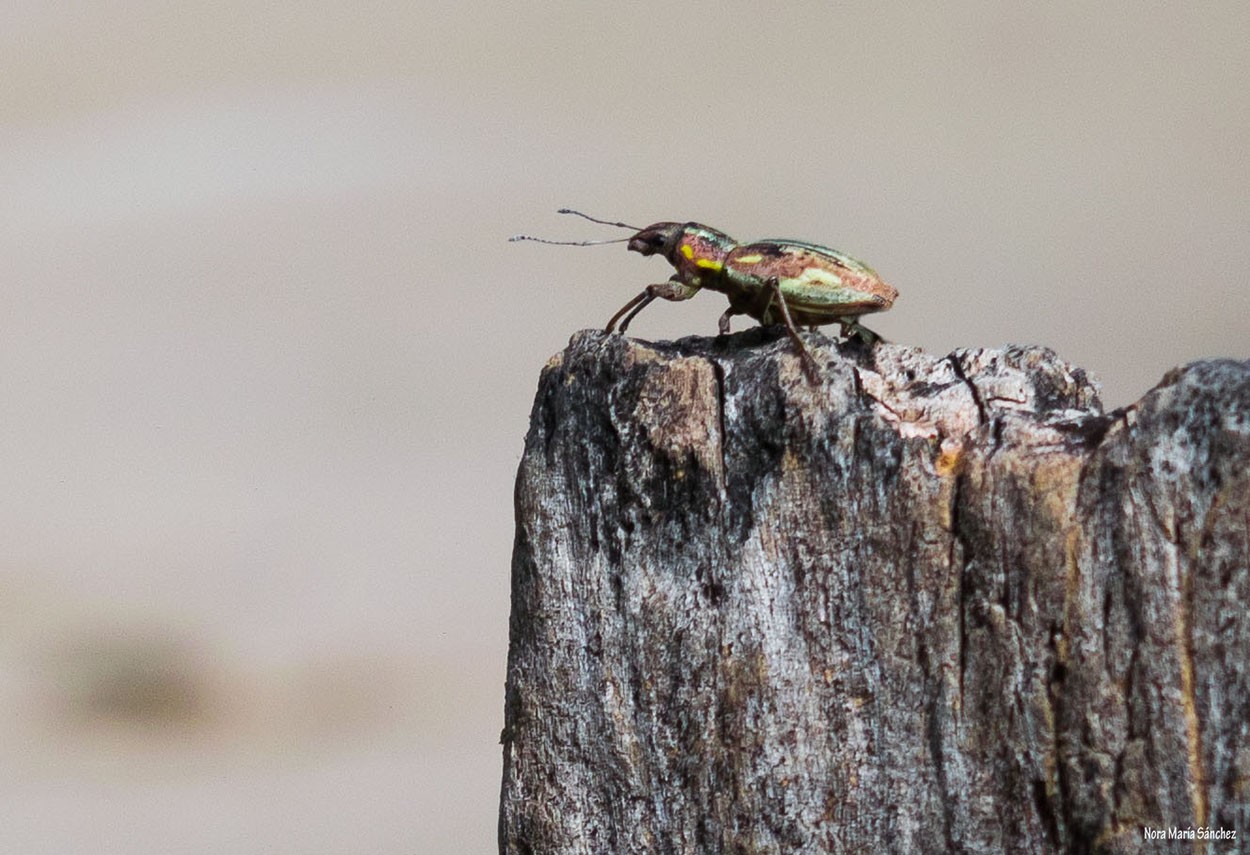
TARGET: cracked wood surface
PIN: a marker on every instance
(937, 603)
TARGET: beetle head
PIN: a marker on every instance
(658, 238)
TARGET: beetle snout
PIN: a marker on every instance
(646, 243)
(653, 239)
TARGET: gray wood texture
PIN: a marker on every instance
(935, 604)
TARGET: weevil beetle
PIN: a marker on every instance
(786, 282)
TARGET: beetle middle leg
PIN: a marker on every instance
(723, 325)
(670, 290)
(810, 368)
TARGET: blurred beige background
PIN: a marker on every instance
(267, 360)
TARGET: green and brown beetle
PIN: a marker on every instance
(786, 282)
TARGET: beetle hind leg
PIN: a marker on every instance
(810, 368)
(853, 329)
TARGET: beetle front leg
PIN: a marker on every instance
(810, 368)
(670, 290)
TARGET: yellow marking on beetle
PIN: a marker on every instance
(706, 263)
(749, 259)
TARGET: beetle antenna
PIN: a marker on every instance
(567, 242)
(596, 220)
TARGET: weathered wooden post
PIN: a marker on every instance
(935, 604)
